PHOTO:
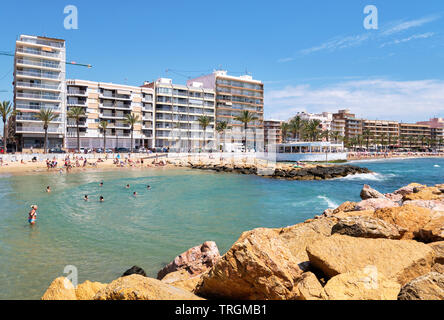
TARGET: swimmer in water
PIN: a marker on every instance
(32, 217)
(135, 193)
(85, 197)
(101, 184)
(101, 199)
(48, 189)
(148, 187)
(127, 186)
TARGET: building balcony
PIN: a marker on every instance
(45, 65)
(38, 130)
(40, 75)
(82, 93)
(33, 117)
(43, 86)
(37, 96)
(38, 53)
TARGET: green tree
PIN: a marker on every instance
(246, 117)
(221, 127)
(367, 135)
(76, 113)
(295, 127)
(285, 128)
(312, 129)
(46, 116)
(104, 125)
(6, 111)
(131, 119)
(204, 122)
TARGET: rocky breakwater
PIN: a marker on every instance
(285, 171)
(385, 247)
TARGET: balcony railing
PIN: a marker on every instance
(46, 64)
(33, 118)
(38, 74)
(39, 129)
(39, 52)
(38, 85)
(43, 42)
(32, 107)
(77, 92)
(37, 96)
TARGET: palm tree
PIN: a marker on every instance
(367, 135)
(46, 116)
(336, 136)
(131, 119)
(312, 129)
(220, 128)
(295, 126)
(76, 113)
(326, 134)
(285, 127)
(204, 122)
(103, 125)
(246, 117)
(6, 111)
(383, 140)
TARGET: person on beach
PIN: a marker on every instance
(48, 189)
(101, 199)
(85, 197)
(32, 217)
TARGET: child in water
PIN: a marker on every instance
(135, 193)
(127, 186)
(86, 197)
(32, 217)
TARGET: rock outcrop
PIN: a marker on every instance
(60, 289)
(182, 279)
(257, 266)
(137, 287)
(309, 287)
(87, 290)
(365, 284)
(195, 261)
(134, 270)
(375, 204)
(427, 287)
(428, 193)
(399, 260)
(366, 227)
(368, 192)
(434, 229)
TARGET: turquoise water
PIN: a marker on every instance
(184, 208)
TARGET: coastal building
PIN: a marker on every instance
(436, 131)
(111, 103)
(380, 132)
(234, 95)
(325, 118)
(177, 112)
(39, 83)
(346, 124)
(272, 131)
(413, 135)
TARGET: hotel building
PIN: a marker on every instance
(346, 124)
(411, 134)
(272, 132)
(378, 129)
(234, 95)
(111, 103)
(39, 83)
(177, 112)
(325, 118)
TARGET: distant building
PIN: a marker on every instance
(325, 118)
(272, 132)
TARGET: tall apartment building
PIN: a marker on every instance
(272, 132)
(381, 129)
(111, 103)
(407, 131)
(39, 83)
(234, 95)
(436, 131)
(346, 124)
(177, 110)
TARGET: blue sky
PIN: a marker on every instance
(312, 55)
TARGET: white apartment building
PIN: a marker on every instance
(326, 118)
(39, 83)
(111, 103)
(176, 114)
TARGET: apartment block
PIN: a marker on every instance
(346, 124)
(111, 103)
(177, 112)
(234, 95)
(380, 129)
(411, 134)
(325, 118)
(272, 132)
(39, 83)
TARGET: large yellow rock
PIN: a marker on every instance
(429, 193)
(257, 266)
(137, 287)
(60, 289)
(365, 284)
(399, 260)
(438, 248)
(87, 290)
(434, 229)
(183, 280)
(427, 287)
(310, 288)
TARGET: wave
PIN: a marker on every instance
(369, 176)
(331, 204)
(437, 166)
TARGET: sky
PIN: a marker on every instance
(312, 55)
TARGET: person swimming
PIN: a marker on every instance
(101, 199)
(148, 187)
(85, 197)
(101, 184)
(32, 217)
(127, 186)
(48, 189)
(135, 193)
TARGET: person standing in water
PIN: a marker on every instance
(32, 217)
(48, 189)
(148, 187)
(127, 186)
(101, 199)
(135, 193)
(101, 184)
(85, 197)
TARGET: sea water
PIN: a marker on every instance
(182, 209)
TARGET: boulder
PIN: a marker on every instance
(437, 267)
(368, 192)
(427, 287)
(364, 284)
(182, 279)
(375, 204)
(138, 287)
(433, 230)
(408, 189)
(434, 205)
(366, 227)
(60, 289)
(410, 218)
(430, 193)
(87, 290)
(195, 260)
(438, 248)
(310, 288)
(257, 266)
(345, 207)
(364, 213)
(394, 197)
(134, 270)
(297, 237)
(399, 260)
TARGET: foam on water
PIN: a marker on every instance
(375, 176)
(331, 204)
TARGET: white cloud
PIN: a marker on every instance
(372, 99)
(405, 25)
(413, 37)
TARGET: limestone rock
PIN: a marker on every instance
(375, 204)
(134, 270)
(434, 205)
(195, 260)
(430, 193)
(368, 192)
(257, 266)
(138, 287)
(434, 230)
(438, 248)
(427, 287)
(408, 189)
(297, 237)
(437, 267)
(364, 213)
(60, 289)
(399, 260)
(182, 279)
(310, 288)
(345, 207)
(87, 290)
(365, 284)
(394, 197)
(366, 227)
(408, 217)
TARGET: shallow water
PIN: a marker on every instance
(183, 208)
